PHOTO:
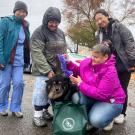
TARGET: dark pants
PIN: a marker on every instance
(124, 78)
(40, 108)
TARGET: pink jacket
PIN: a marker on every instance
(99, 81)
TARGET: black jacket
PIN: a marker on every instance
(123, 43)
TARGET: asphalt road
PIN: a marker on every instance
(13, 126)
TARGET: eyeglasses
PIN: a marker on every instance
(54, 22)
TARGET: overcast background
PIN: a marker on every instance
(36, 10)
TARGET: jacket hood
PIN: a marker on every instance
(52, 13)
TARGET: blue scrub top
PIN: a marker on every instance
(19, 55)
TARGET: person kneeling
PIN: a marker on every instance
(99, 87)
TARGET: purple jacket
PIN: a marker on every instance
(99, 81)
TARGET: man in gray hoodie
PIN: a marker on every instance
(46, 42)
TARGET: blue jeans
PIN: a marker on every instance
(12, 74)
(40, 96)
(100, 114)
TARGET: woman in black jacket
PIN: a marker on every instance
(122, 45)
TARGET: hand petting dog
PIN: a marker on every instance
(50, 74)
(75, 80)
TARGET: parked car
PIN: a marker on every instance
(76, 58)
(27, 68)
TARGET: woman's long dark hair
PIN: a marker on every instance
(102, 11)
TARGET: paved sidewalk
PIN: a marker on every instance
(13, 126)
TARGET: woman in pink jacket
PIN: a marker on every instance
(99, 87)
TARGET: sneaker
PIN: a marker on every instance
(39, 121)
(120, 119)
(89, 127)
(109, 126)
(17, 114)
(47, 115)
(4, 113)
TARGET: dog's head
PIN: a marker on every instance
(57, 87)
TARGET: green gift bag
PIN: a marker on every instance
(69, 119)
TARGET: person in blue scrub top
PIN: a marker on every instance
(14, 53)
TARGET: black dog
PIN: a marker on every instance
(59, 88)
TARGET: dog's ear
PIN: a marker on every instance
(47, 81)
(66, 83)
(48, 85)
(66, 79)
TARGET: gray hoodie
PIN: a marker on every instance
(46, 44)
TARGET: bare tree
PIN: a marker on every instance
(80, 13)
(80, 9)
(123, 10)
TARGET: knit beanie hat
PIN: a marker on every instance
(20, 5)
